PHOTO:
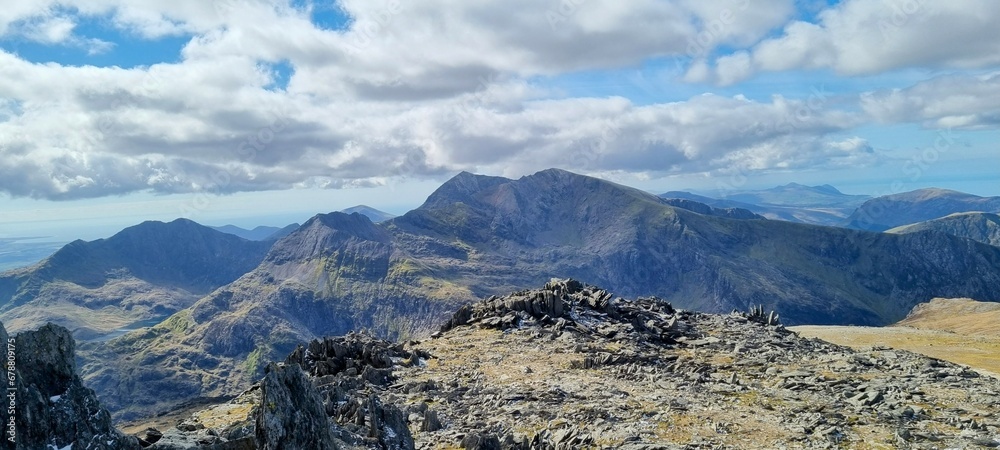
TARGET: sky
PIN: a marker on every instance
(266, 112)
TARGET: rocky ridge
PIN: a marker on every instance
(573, 366)
(52, 407)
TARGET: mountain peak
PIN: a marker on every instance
(369, 212)
(461, 188)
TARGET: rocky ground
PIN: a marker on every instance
(570, 366)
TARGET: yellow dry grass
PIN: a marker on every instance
(976, 351)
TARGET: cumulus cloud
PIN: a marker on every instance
(952, 101)
(405, 90)
(860, 37)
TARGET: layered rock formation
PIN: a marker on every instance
(52, 408)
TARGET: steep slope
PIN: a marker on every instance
(478, 236)
(981, 227)
(53, 408)
(334, 274)
(907, 208)
(373, 214)
(818, 205)
(150, 270)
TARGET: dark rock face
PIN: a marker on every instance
(570, 305)
(53, 408)
(291, 415)
(350, 372)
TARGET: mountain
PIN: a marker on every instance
(981, 227)
(890, 211)
(798, 195)
(818, 205)
(701, 208)
(144, 272)
(369, 212)
(259, 233)
(572, 366)
(478, 236)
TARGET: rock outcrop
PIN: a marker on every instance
(291, 414)
(52, 408)
(573, 366)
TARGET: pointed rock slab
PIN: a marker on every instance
(291, 414)
(54, 408)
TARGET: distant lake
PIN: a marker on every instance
(142, 324)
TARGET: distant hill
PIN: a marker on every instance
(798, 195)
(371, 213)
(963, 316)
(260, 233)
(981, 227)
(890, 211)
(817, 205)
(143, 272)
(478, 236)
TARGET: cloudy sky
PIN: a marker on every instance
(257, 111)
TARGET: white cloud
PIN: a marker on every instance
(411, 90)
(953, 101)
(857, 37)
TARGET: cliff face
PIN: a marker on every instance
(52, 408)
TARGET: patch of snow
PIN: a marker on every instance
(53, 447)
(55, 398)
(390, 433)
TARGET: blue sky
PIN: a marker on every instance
(267, 112)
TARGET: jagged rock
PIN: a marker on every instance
(54, 409)
(431, 422)
(480, 441)
(291, 415)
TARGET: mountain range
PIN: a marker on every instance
(478, 236)
(793, 202)
(145, 272)
(981, 227)
(371, 213)
(258, 233)
(890, 211)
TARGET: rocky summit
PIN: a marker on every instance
(574, 366)
(52, 409)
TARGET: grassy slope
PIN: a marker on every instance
(958, 330)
